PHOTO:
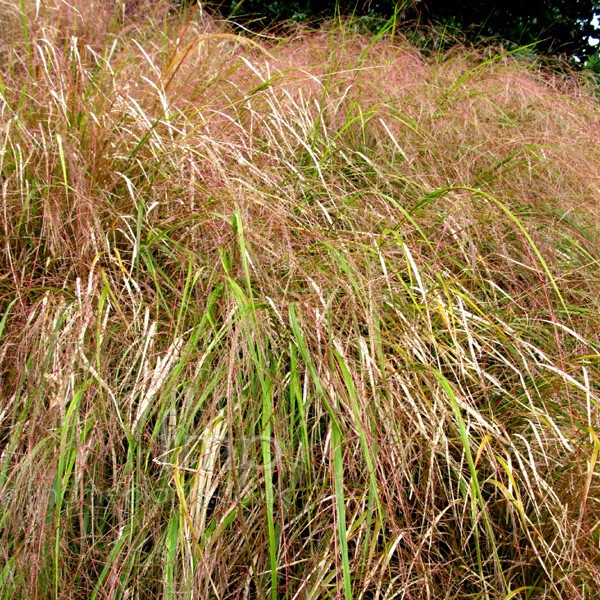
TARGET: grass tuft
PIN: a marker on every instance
(310, 317)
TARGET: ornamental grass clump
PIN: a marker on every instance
(302, 317)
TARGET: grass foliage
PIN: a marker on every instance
(314, 317)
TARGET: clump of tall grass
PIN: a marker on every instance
(303, 318)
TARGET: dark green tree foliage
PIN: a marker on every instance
(556, 26)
